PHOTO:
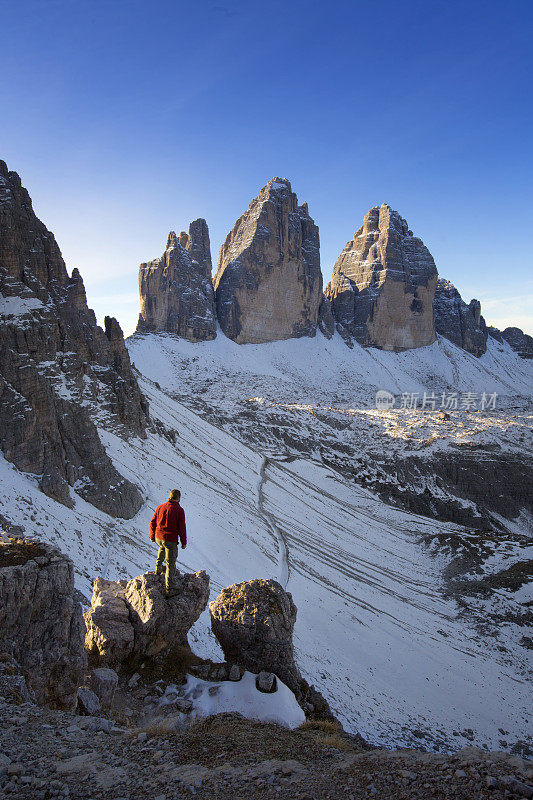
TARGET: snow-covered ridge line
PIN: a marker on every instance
(315, 369)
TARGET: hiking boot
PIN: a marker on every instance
(159, 570)
(172, 591)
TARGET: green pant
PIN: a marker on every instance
(168, 551)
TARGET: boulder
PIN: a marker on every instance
(160, 622)
(13, 686)
(88, 702)
(103, 682)
(135, 619)
(176, 290)
(268, 282)
(462, 324)
(266, 682)
(41, 625)
(58, 369)
(254, 622)
(383, 285)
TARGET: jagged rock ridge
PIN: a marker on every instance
(383, 285)
(521, 342)
(176, 291)
(56, 365)
(268, 283)
(462, 324)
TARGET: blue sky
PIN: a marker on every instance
(127, 119)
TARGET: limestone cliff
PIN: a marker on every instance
(57, 367)
(268, 283)
(462, 324)
(383, 285)
(176, 290)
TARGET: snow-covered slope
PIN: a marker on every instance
(313, 370)
(399, 660)
(315, 398)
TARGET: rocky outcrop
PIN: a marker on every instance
(176, 291)
(462, 324)
(41, 625)
(57, 367)
(521, 342)
(268, 283)
(135, 619)
(254, 622)
(383, 285)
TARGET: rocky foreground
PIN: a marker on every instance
(52, 754)
(141, 731)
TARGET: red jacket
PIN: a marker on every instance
(168, 523)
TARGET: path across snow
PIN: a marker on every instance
(283, 551)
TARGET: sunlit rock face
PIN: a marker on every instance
(383, 285)
(268, 283)
(176, 291)
(458, 321)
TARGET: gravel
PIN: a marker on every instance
(49, 755)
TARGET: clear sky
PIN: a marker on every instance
(128, 118)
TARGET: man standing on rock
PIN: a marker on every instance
(166, 528)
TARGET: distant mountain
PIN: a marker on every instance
(268, 282)
(383, 285)
(384, 291)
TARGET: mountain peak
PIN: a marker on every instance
(268, 283)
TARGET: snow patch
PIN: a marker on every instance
(242, 697)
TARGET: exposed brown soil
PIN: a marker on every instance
(18, 552)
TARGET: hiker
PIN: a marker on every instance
(166, 528)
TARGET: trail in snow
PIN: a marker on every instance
(283, 550)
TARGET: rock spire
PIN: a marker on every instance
(268, 282)
(176, 290)
(383, 284)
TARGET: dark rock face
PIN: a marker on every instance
(462, 324)
(326, 320)
(41, 626)
(176, 291)
(268, 283)
(56, 364)
(490, 482)
(383, 285)
(495, 333)
(521, 342)
(254, 622)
